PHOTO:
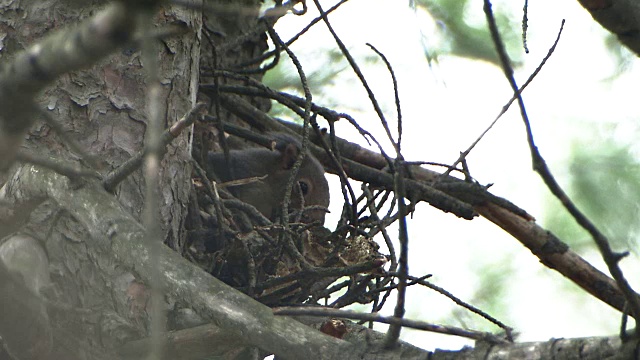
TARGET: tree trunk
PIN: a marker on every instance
(103, 109)
(88, 297)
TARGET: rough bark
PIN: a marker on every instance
(98, 262)
(620, 17)
(103, 109)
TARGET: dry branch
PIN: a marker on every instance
(612, 259)
(452, 194)
(542, 243)
(551, 251)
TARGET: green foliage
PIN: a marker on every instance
(285, 77)
(490, 296)
(622, 56)
(466, 33)
(464, 29)
(320, 74)
(603, 182)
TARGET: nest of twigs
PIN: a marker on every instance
(279, 263)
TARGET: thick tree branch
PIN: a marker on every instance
(556, 255)
(542, 243)
(115, 232)
(540, 166)
(25, 327)
(365, 165)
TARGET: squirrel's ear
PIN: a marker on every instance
(289, 156)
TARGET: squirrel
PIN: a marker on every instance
(267, 193)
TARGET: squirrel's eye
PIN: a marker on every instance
(304, 187)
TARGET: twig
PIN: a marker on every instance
(395, 91)
(213, 194)
(506, 106)
(68, 170)
(414, 324)
(370, 204)
(276, 52)
(508, 330)
(398, 171)
(292, 102)
(353, 64)
(131, 165)
(354, 293)
(525, 25)
(153, 153)
(320, 272)
(539, 165)
(303, 151)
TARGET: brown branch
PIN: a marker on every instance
(501, 212)
(414, 324)
(288, 241)
(540, 166)
(100, 213)
(364, 165)
(556, 255)
(399, 173)
(352, 63)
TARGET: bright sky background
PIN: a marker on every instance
(445, 108)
